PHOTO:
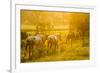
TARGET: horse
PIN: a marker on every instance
(53, 42)
(35, 45)
(72, 37)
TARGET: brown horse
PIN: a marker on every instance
(72, 37)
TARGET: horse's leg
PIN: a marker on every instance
(30, 52)
(26, 49)
(70, 43)
(48, 47)
(56, 50)
(52, 47)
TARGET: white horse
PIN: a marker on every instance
(53, 42)
(33, 44)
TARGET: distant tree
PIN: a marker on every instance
(80, 21)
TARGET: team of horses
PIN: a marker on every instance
(39, 41)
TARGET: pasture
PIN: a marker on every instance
(54, 36)
(66, 51)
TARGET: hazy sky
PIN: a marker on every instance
(59, 20)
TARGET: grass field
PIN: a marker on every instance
(65, 52)
(76, 54)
